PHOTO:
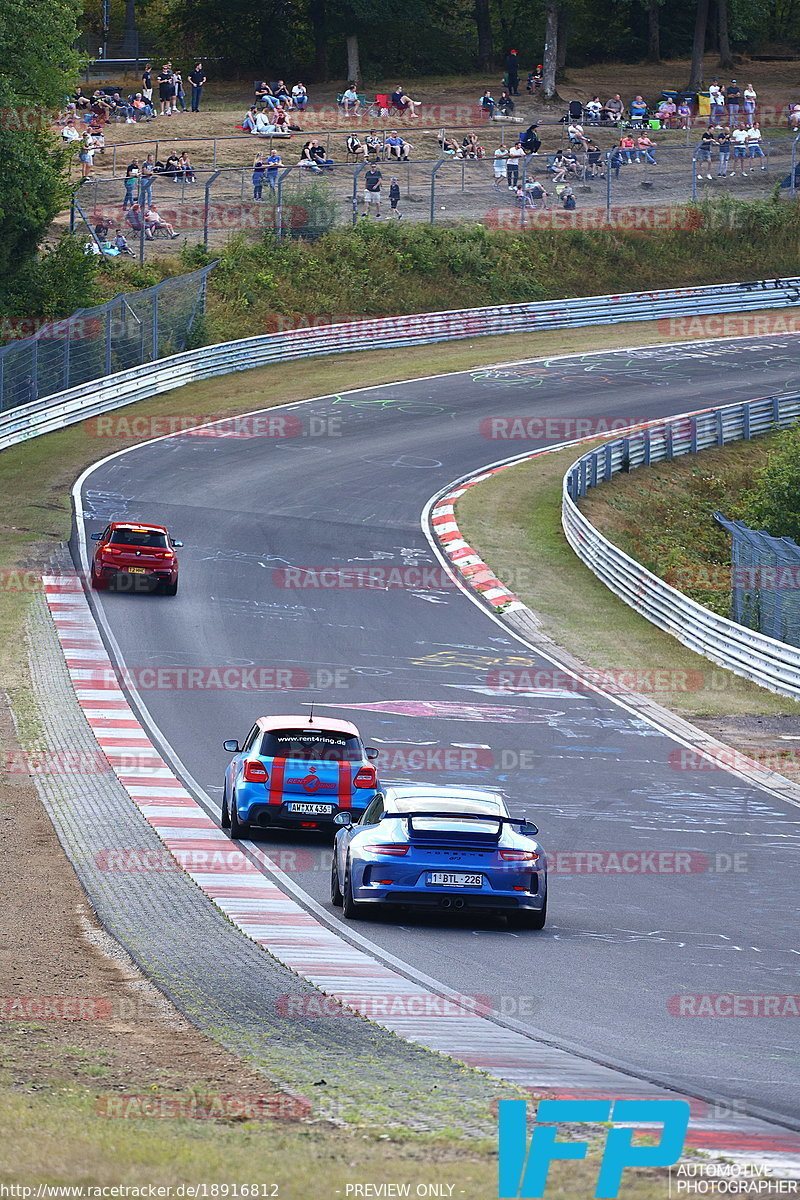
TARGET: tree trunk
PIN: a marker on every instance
(353, 63)
(483, 25)
(561, 35)
(550, 62)
(698, 46)
(319, 27)
(130, 37)
(725, 57)
(654, 32)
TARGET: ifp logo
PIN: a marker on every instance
(523, 1170)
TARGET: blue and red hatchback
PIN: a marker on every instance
(296, 773)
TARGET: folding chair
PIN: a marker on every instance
(379, 107)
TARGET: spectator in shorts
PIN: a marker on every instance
(86, 156)
(121, 244)
(373, 143)
(394, 197)
(372, 191)
(724, 146)
(155, 221)
(612, 109)
(576, 135)
(136, 222)
(350, 101)
(69, 133)
(356, 147)
(166, 89)
(754, 147)
(667, 110)
(702, 154)
(499, 166)
(399, 99)
(739, 139)
(396, 147)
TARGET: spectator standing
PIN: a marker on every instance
(515, 156)
(512, 67)
(147, 84)
(615, 160)
(739, 139)
(131, 184)
(180, 95)
(274, 164)
(165, 89)
(724, 146)
(716, 109)
(733, 96)
(259, 173)
(754, 147)
(702, 154)
(197, 78)
(750, 97)
(86, 156)
(500, 163)
(394, 197)
(147, 176)
(372, 191)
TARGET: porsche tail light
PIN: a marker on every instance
(519, 855)
(366, 777)
(255, 771)
(392, 848)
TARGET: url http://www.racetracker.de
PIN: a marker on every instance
(180, 1191)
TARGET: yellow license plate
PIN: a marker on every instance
(136, 571)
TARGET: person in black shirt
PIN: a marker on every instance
(147, 84)
(166, 89)
(197, 78)
(512, 67)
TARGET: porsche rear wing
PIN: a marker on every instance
(451, 816)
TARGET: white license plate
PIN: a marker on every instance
(313, 809)
(453, 879)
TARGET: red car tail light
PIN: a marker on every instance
(519, 855)
(365, 778)
(393, 849)
(255, 771)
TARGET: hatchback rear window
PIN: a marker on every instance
(138, 537)
(319, 745)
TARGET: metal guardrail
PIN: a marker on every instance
(770, 663)
(101, 395)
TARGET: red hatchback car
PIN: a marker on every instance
(129, 554)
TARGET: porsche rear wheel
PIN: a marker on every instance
(337, 898)
(352, 909)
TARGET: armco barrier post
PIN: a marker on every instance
(207, 205)
(434, 169)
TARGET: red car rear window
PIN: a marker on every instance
(138, 537)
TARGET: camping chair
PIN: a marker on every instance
(379, 107)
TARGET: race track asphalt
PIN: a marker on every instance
(347, 492)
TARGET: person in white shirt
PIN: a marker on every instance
(717, 108)
(500, 162)
(69, 133)
(264, 124)
(750, 98)
(594, 108)
(576, 135)
(299, 97)
(350, 102)
(753, 142)
(515, 157)
(739, 139)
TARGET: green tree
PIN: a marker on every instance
(37, 69)
(773, 503)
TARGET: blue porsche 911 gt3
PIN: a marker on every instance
(450, 848)
(297, 773)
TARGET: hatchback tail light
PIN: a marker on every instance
(519, 855)
(255, 771)
(392, 848)
(365, 778)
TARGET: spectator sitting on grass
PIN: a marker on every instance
(320, 155)
(121, 244)
(171, 169)
(627, 146)
(505, 104)
(573, 166)
(470, 147)
(80, 100)
(281, 121)
(265, 123)
(154, 221)
(487, 102)
(299, 97)
(399, 99)
(185, 168)
(449, 145)
(567, 198)
(396, 147)
(307, 157)
(249, 120)
(69, 133)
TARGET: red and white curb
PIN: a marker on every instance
(466, 560)
(434, 1017)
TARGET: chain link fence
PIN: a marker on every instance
(132, 329)
(765, 581)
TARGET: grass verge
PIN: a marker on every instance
(514, 519)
